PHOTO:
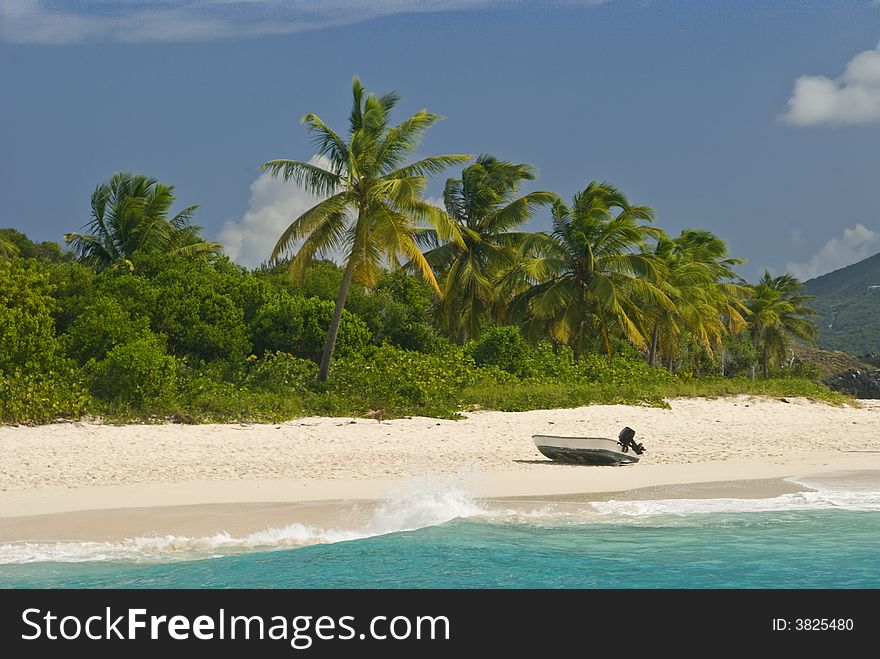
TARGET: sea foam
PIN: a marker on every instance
(430, 501)
(417, 503)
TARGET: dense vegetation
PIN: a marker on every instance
(848, 302)
(144, 319)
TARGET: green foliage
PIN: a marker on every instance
(322, 280)
(204, 397)
(586, 280)
(130, 216)
(398, 311)
(740, 356)
(280, 372)
(37, 383)
(523, 397)
(399, 382)
(42, 397)
(159, 326)
(848, 303)
(102, 326)
(505, 348)
(793, 387)
(191, 301)
(299, 325)
(74, 288)
(779, 312)
(487, 215)
(201, 323)
(27, 329)
(623, 370)
(137, 374)
(136, 292)
(372, 197)
(20, 245)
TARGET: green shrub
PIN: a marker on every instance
(203, 398)
(280, 372)
(102, 326)
(189, 301)
(139, 374)
(27, 329)
(401, 382)
(505, 348)
(74, 288)
(323, 280)
(622, 370)
(202, 324)
(298, 326)
(521, 397)
(28, 249)
(42, 397)
(740, 355)
(399, 312)
(37, 383)
(137, 294)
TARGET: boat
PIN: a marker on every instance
(591, 450)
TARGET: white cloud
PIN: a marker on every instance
(856, 244)
(853, 98)
(77, 21)
(274, 204)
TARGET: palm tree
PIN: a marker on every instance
(130, 214)
(778, 311)
(8, 248)
(373, 198)
(590, 274)
(700, 281)
(484, 207)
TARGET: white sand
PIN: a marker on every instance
(83, 466)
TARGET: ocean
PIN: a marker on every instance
(442, 538)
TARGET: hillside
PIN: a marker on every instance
(848, 301)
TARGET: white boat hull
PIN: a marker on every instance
(583, 450)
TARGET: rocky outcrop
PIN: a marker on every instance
(857, 382)
(853, 376)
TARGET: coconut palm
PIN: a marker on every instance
(779, 312)
(700, 280)
(373, 198)
(590, 274)
(8, 248)
(486, 212)
(130, 214)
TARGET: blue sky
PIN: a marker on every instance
(759, 121)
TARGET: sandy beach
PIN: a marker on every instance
(88, 481)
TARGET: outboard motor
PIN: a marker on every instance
(626, 439)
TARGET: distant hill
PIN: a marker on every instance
(849, 303)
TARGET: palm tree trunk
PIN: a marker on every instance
(652, 350)
(765, 364)
(333, 331)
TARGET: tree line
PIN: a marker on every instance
(603, 271)
(141, 312)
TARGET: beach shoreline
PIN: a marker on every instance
(80, 481)
(241, 518)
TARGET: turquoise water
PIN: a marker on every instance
(793, 549)
(809, 540)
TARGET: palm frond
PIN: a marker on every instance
(429, 166)
(309, 222)
(316, 180)
(327, 142)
